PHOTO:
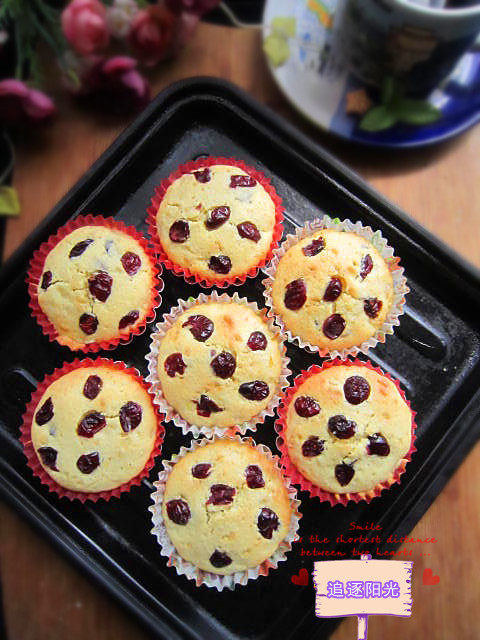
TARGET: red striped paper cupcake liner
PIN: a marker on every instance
(31, 455)
(292, 471)
(35, 271)
(190, 276)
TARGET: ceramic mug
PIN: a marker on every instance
(409, 40)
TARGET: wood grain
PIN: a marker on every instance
(45, 598)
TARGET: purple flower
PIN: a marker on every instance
(198, 7)
(115, 85)
(20, 104)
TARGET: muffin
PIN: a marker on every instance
(347, 428)
(93, 428)
(332, 289)
(217, 364)
(225, 507)
(216, 223)
(95, 285)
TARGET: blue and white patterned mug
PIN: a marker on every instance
(410, 40)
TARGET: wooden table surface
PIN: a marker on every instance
(45, 598)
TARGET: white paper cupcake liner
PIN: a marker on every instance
(400, 288)
(156, 387)
(188, 569)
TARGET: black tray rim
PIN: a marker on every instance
(10, 488)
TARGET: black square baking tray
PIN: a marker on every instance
(435, 353)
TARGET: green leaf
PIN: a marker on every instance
(388, 89)
(378, 119)
(336, 220)
(48, 36)
(416, 111)
(277, 49)
(9, 202)
(284, 26)
(73, 76)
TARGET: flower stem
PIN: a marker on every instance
(48, 37)
(18, 46)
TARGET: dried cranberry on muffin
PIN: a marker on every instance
(94, 428)
(226, 507)
(97, 284)
(332, 289)
(347, 429)
(216, 222)
(219, 364)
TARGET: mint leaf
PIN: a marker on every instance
(416, 111)
(9, 202)
(284, 26)
(388, 88)
(378, 119)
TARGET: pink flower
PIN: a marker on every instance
(199, 7)
(150, 35)
(84, 24)
(19, 103)
(184, 27)
(115, 85)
